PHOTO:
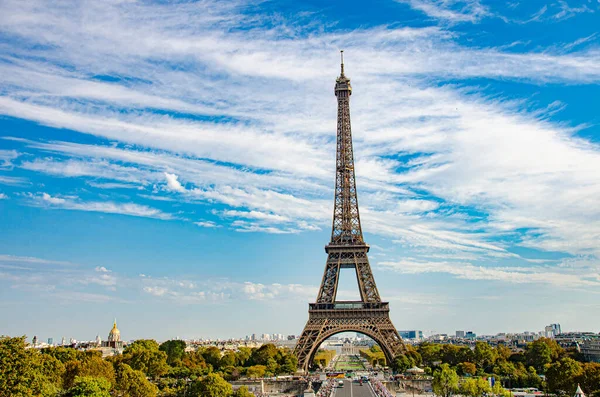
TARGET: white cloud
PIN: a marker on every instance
(6, 157)
(256, 215)
(53, 200)
(451, 10)
(173, 183)
(188, 291)
(3, 196)
(58, 279)
(31, 260)
(95, 206)
(258, 291)
(156, 291)
(517, 275)
(208, 224)
(13, 180)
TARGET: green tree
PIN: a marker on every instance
(132, 383)
(242, 392)
(289, 364)
(88, 386)
(229, 359)
(256, 371)
(212, 385)
(503, 353)
(430, 353)
(590, 379)
(542, 352)
(498, 390)
(194, 362)
(144, 355)
(445, 381)
(175, 350)
(212, 356)
(272, 367)
(414, 356)
(454, 355)
(63, 354)
(243, 355)
(475, 387)
(90, 365)
(402, 362)
(262, 355)
(562, 376)
(484, 355)
(467, 368)
(53, 370)
(22, 372)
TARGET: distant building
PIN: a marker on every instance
(470, 335)
(590, 348)
(114, 338)
(50, 341)
(552, 330)
(350, 349)
(416, 334)
(460, 334)
(34, 340)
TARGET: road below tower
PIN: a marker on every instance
(352, 389)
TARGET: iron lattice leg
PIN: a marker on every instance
(323, 324)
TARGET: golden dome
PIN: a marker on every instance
(114, 334)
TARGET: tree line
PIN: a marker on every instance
(562, 369)
(145, 369)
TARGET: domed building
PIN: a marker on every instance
(114, 338)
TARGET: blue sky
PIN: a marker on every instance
(171, 163)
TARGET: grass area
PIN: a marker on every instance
(349, 363)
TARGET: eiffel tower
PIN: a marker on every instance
(347, 249)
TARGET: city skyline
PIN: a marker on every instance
(178, 175)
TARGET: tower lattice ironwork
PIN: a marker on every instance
(347, 249)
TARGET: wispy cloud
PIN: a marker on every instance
(6, 158)
(439, 167)
(13, 181)
(74, 203)
(208, 224)
(451, 10)
(185, 291)
(517, 275)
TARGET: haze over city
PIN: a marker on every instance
(172, 165)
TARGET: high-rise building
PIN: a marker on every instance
(416, 334)
(460, 334)
(552, 330)
(470, 335)
(50, 341)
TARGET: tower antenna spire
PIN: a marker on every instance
(342, 57)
